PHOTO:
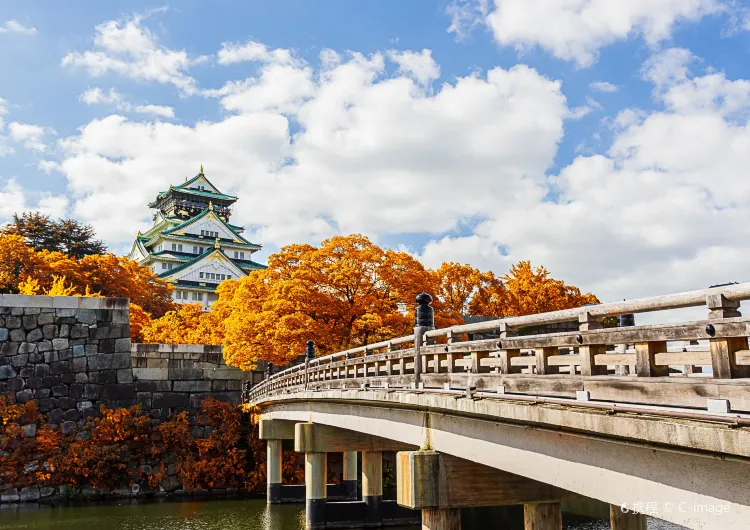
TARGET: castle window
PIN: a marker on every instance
(242, 255)
(174, 246)
(201, 275)
(163, 266)
(179, 248)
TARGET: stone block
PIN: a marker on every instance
(64, 332)
(7, 372)
(8, 348)
(32, 310)
(46, 491)
(29, 322)
(12, 322)
(79, 364)
(29, 494)
(66, 403)
(17, 335)
(80, 332)
(66, 312)
(125, 375)
(117, 392)
(50, 381)
(27, 347)
(60, 344)
(32, 382)
(55, 416)
(41, 393)
(44, 346)
(4, 333)
(121, 360)
(16, 384)
(26, 371)
(100, 362)
(84, 405)
(186, 374)
(86, 316)
(192, 386)
(60, 390)
(91, 391)
(91, 349)
(107, 346)
(44, 404)
(65, 302)
(151, 374)
(25, 396)
(105, 377)
(68, 427)
(50, 331)
(51, 357)
(46, 318)
(59, 367)
(41, 370)
(10, 495)
(19, 360)
(71, 415)
(79, 350)
(123, 346)
(35, 335)
(81, 377)
(36, 358)
(162, 400)
(226, 373)
(121, 316)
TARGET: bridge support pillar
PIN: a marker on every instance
(441, 519)
(350, 474)
(273, 471)
(544, 516)
(372, 486)
(619, 520)
(273, 432)
(315, 490)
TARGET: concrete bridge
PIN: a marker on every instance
(651, 419)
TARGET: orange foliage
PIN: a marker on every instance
(114, 450)
(188, 324)
(103, 274)
(215, 461)
(344, 293)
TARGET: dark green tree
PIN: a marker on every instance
(64, 235)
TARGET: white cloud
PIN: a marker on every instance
(13, 26)
(466, 15)
(12, 199)
(421, 66)
(373, 153)
(32, 136)
(575, 30)
(603, 86)
(96, 95)
(128, 48)
(157, 110)
(253, 51)
(662, 211)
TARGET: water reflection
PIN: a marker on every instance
(252, 514)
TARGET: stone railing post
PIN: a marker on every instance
(424, 321)
(309, 356)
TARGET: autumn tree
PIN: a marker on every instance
(64, 235)
(345, 293)
(100, 274)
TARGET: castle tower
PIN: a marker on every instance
(191, 244)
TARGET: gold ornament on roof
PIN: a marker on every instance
(211, 205)
(201, 173)
(216, 244)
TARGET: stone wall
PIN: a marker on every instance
(70, 354)
(176, 377)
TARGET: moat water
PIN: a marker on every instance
(251, 514)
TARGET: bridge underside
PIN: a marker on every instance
(692, 470)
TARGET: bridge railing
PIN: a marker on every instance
(677, 364)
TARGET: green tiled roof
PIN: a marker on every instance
(197, 259)
(200, 216)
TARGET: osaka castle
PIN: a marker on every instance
(192, 245)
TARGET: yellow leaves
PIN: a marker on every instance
(29, 286)
(58, 287)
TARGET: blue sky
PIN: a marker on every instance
(605, 139)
